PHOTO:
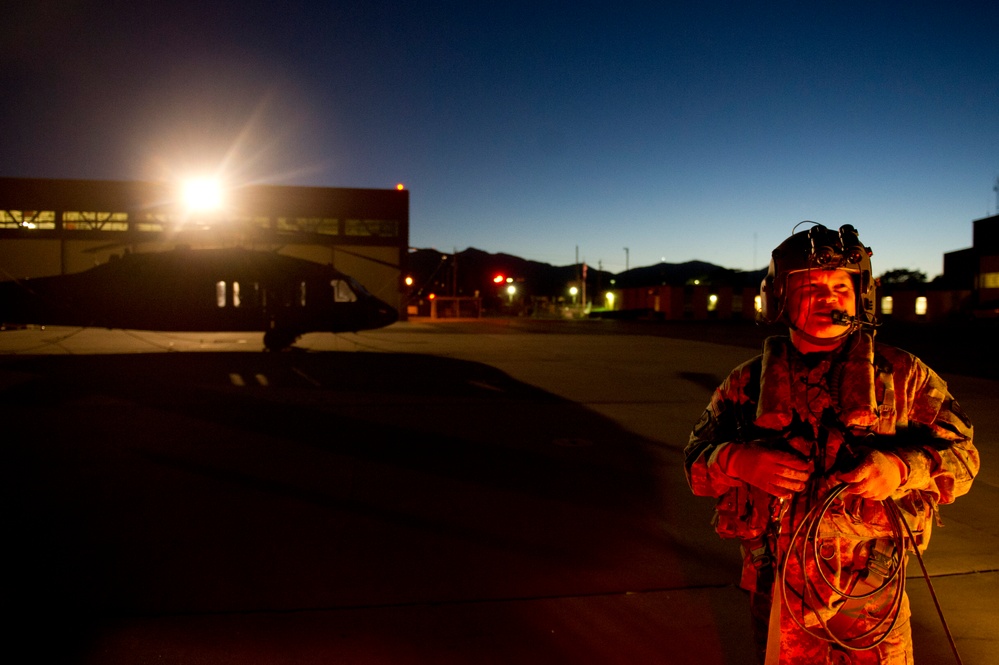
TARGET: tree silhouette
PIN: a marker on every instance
(903, 277)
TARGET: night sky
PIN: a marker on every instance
(687, 130)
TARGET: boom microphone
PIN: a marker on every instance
(840, 317)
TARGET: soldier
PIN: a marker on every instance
(829, 454)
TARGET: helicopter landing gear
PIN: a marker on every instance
(279, 340)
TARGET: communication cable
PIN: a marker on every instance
(805, 546)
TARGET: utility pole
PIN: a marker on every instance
(626, 259)
(581, 276)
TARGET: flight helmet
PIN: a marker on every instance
(819, 248)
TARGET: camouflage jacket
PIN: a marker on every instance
(827, 408)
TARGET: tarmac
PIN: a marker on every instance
(492, 491)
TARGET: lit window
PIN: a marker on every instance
(235, 294)
(220, 294)
(990, 280)
(921, 306)
(758, 303)
(887, 303)
(301, 294)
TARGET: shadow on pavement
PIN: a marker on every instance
(151, 486)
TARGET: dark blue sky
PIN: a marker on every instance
(533, 128)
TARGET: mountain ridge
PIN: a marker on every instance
(472, 271)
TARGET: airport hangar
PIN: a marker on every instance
(57, 227)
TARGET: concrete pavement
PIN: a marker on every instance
(426, 493)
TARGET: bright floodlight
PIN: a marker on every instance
(202, 194)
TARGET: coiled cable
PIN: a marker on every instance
(818, 610)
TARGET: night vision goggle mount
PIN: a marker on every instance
(830, 251)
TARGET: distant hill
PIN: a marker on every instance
(472, 271)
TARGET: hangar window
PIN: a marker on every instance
(342, 291)
(151, 222)
(887, 305)
(327, 226)
(27, 219)
(235, 294)
(990, 280)
(259, 221)
(95, 221)
(921, 306)
(379, 228)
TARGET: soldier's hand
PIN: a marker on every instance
(877, 476)
(776, 472)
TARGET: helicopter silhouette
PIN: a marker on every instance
(200, 290)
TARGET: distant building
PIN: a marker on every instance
(986, 248)
(690, 301)
(54, 227)
(968, 288)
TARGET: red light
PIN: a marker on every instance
(499, 279)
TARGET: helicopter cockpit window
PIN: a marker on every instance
(342, 291)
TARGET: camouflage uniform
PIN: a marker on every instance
(824, 407)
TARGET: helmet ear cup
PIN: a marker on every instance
(769, 298)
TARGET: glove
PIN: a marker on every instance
(877, 476)
(776, 472)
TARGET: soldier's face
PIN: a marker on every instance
(812, 297)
